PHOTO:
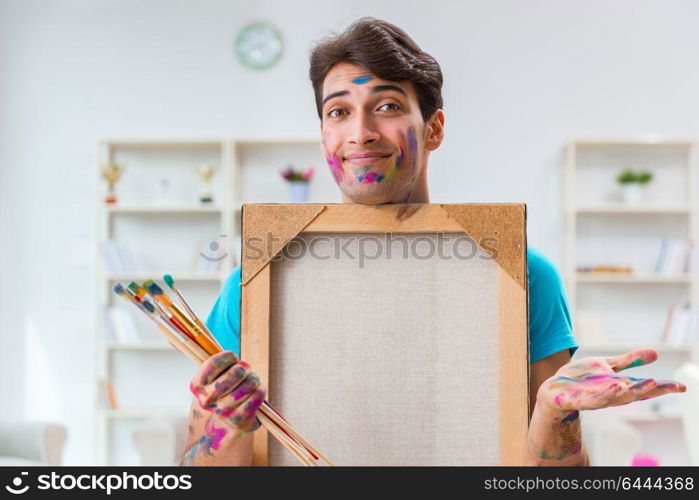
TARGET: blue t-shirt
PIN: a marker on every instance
(550, 328)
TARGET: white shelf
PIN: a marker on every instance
(232, 155)
(632, 278)
(158, 275)
(619, 347)
(619, 209)
(642, 140)
(159, 143)
(161, 209)
(141, 413)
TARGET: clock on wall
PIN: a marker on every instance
(259, 46)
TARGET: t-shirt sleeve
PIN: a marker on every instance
(550, 327)
(224, 318)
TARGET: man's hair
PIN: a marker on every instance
(386, 51)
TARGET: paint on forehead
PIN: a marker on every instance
(361, 80)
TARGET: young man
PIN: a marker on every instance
(380, 107)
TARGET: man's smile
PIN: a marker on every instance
(366, 157)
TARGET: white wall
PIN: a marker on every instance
(521, 77)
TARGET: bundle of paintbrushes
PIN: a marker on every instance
(183, 329)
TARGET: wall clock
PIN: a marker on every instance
(259, 46)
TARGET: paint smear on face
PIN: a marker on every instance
(361, 80)
(334, 163)
(412, 146)
(366, 176)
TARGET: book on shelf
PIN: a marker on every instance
(680, 326)
(117, 257)
(606, 269)
(108, 395)
(119, 325)
(675, 256)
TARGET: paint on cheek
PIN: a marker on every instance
(361, 80)
(333, 162)
(412, 146)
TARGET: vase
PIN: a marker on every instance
(299, 191)
(632, 194)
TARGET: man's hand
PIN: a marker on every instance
(594, 383)
(586, 384)
(228, 395)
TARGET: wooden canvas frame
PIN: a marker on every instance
(505, 224)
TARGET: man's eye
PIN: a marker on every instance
(395, 106)
(335, 113)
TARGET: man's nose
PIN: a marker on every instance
(363, 131)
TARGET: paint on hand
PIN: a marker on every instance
(211, 440)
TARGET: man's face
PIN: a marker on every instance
(372, 133)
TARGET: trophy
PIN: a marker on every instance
(111, 173)
(206, 172)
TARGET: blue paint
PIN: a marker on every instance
(572, 416)
(361, 80)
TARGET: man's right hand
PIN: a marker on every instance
(228, 394)
(228, 389)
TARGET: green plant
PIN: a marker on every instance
(644, 178)
(628, 176)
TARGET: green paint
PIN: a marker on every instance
(634, 364)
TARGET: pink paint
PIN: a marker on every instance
(333, 162)
(214, 437)
(645, 461)
(558, 400)
(370, 177)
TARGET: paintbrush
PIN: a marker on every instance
(168, 279)
(200, 338)
(140, 293)
(174, 338)
(272, 420)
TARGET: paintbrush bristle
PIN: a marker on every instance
(119, 289)
(153, 288)
(170, 282)
(148, 306)
(133, 286)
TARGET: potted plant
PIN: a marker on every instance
(633, 185)
(299, 181)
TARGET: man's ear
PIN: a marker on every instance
(434, 130)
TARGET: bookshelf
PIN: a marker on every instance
(159, 222)
(601, 229)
